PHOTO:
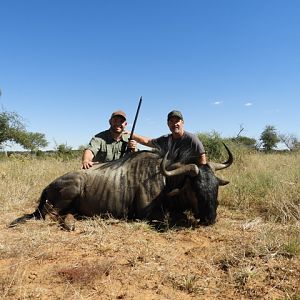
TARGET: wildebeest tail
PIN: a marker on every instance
(38, 214)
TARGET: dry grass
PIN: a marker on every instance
(266, 185)
(252, 252)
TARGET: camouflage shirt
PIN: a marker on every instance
(186, 149)
(105, 148)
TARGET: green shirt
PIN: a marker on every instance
(105, 147)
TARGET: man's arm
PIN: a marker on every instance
(143, 140)
(87, 159)
(202, 159)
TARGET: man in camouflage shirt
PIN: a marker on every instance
(110, 144)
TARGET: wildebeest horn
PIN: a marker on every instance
(178, 169)
(219, 166)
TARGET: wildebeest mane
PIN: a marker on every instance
(114, 164)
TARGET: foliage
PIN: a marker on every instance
(290, 141)
(63, 148)
(212, 143)
(10, 124)
(32, 140)
(82, 147)
(245, 141)
(65, 152)
(269, 138)
(12, 129)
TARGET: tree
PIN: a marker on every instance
(10, 124)
(33, 141)
(63, 149)
(269, 138)
(245, 141)
(290, 140)
(12, 129)
(82, 147)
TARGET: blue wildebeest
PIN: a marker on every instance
(142, 185)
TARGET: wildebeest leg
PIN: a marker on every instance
(62, 199)
(67, 222)
(153, 211)
(57, 199)
(62, 211)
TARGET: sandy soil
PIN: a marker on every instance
(237, 258)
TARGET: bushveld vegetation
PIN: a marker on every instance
(252, 252)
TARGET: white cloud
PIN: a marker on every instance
(248, 104)
(218, 102)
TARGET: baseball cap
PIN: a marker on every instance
(118, 113)
(175, 113)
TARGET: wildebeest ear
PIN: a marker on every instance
(222, 182)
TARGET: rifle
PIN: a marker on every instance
(134, 123)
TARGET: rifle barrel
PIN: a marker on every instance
(135, 118)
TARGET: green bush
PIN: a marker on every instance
(212, 143)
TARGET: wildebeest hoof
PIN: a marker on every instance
(69, 223)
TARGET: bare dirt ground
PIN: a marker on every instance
(237, 258)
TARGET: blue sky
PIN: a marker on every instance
(65, 65)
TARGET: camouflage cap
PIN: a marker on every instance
(118, 113)
(175, 113)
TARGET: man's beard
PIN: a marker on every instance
(117, 129)
(176, 129)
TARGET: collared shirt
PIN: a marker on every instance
(105, 148)
(186, 149)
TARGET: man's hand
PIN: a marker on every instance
(132, 145)
(87, 159)
(86, 164)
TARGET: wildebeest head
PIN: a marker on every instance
(199, 187)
